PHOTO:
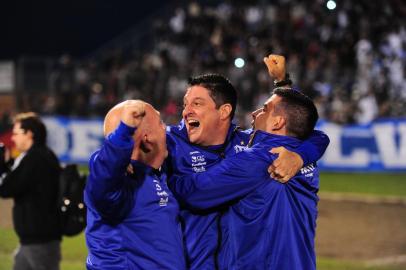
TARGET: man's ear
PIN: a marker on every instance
(278, 123)
(147, 145)
(225, 111)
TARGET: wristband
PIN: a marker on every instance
(286, 81)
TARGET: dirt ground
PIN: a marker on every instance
(352, 229)
(5, 213)
(357, 230)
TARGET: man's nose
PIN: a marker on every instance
(187, 109)
(255, 113)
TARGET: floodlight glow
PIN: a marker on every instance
(239, 62)
(331, 5)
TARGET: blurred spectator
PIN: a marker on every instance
(367, 108)
(32, 181)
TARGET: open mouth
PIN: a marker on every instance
(193, 123)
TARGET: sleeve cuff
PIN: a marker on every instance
(122, 136)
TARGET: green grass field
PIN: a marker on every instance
(368, 184)
(74, 255)
(74, 249)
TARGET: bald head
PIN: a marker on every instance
(117, 114)
(150, 137)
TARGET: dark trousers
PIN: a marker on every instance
(44, 256)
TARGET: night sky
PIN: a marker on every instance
(49, 28)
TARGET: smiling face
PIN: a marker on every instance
(203, 120)
(266, 119)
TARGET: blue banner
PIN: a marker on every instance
(376, 147)
(74, 140)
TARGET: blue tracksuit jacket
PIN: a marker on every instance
(205, 232)
(270, 225)
(133, 220)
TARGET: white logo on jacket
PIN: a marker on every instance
(163, 195)
(198, 161)
(308, 170)
(239, 148)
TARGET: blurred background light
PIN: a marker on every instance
(331, 5)
(239, 62)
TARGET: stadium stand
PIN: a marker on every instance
(350, 60)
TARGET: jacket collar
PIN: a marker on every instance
(259, 136)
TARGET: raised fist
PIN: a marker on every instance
(276, 66)
(133, 112)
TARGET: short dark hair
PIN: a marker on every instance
(31, 121)
(220, 88)
(300, 112)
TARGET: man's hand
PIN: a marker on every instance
(286, 165)
(133, 112)
(276, 66)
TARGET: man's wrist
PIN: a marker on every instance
(285, 82)
(125, 129)
(122, 135)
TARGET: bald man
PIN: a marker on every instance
(132, 215)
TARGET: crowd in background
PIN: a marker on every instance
(350, 60)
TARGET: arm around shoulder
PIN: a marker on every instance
(231, 179)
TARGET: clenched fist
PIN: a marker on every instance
(133, 112)
(276, 66)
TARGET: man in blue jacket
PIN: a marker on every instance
(205, 136)
(132, 220)
(270, 225)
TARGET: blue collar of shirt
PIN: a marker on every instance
(268, 138)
